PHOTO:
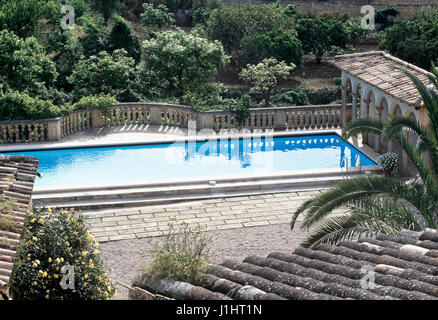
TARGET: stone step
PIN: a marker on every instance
(160, 200)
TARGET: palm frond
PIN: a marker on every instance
(368, 217)
(427, 142)
(362, 126)
(355, 190)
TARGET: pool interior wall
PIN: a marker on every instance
(189, 158)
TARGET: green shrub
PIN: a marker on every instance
(51, 241)
(240, 110)
(6, 225)
(101, 102)
(6, 205)
(229, 24)
(20, 106)
(279, 44)
(415, 41)
(105, 73)
(295, 97)
(183, 256)
(155, 18)
(201, 15)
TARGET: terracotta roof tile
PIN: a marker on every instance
(379, 69)
(404, 267)
(17, 174)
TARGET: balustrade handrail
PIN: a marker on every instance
(156, 113)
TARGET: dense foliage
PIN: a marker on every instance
(122, 36)
(113, 74)
(15, 105)
(182, 63)
(24, 65)
(51, 241)
(319, 35)
(231, 23)
(415, 41)
(278, 44)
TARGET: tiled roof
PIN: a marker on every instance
(17, 175)
(379, 69)
(403, 266)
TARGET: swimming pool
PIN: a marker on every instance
(193, 159)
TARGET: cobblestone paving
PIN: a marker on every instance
(214, 214)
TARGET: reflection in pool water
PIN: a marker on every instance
(202, 159)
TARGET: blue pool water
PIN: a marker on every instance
(140, 163)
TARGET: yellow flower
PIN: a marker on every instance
(50, 260)
(56, 276)
(47, 296)
(34, 238)
(96, 252)
(32, 221)
(86, 276)
(58, 260)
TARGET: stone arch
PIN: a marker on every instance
(357, 99)
(348, 97)
(371, 103)
(396, 111)
(382, 114)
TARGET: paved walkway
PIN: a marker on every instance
(214, 214)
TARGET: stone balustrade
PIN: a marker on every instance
(144, 114)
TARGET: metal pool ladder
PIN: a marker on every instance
(345, 161)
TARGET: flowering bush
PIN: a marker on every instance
(389, 162)
(53, 240)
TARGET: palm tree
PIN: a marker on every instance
(379, 204)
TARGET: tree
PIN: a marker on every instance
(265, 75)
(229, 24)
(415, 41)
(153, 19)
(122, 36)
(379, 204)
(21, 16)
(278, 44)
(107, 7)
(385, 17)
(320, 34)
(182, 63)
(105, 73)
(24, 66)
(65, 53)
(15, 105)
(95, 38)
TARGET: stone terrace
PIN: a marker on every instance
(215, 214)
